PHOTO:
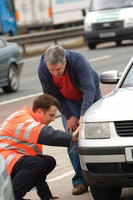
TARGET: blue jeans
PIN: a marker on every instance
(75, 107)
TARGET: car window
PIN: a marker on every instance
(2, 44)
(107, 4)
(128, 82)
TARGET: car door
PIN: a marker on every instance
(3, 63)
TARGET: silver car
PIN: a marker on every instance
(6, 190)
(106, 138)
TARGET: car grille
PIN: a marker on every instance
(107, 25)
(124, 128)
(109, 168)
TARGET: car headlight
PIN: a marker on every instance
(97, 130)
(82, 131)
(87, 26)
(128, 22)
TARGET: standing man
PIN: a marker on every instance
(21, 137)
(69, 77)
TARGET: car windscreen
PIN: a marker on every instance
(109, 4)
(128, 81)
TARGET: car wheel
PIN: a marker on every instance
(13, 80)
(92, 45)
(105, 193)
(118, 43)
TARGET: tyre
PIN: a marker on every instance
(13, 80)
(118, 43)
(92, 45)
(106, 193)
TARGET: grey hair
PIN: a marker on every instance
(54, 55)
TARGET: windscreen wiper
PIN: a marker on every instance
(109, 8)
(127, 6)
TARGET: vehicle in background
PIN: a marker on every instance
(6, 191)
(106, 138)
(10, 66)
(108, 20)
(7, 19)
(21, 16)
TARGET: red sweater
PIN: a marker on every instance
(66, 87)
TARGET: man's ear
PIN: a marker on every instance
(39, 111)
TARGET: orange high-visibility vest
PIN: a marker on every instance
(18, 136)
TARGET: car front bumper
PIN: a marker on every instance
(108, 35)
(106, 166)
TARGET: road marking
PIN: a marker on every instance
(21, 98)
(100, 58)
(61, 176)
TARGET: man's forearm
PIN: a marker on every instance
(51, 137)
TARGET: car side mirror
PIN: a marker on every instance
(83, 12)
(110, 77)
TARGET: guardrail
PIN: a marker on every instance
(53, 35)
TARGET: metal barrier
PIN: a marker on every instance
(53, 35)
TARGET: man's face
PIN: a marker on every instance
(57, 70)
(47, 116)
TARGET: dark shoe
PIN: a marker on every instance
(79, 189)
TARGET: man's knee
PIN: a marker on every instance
(48, 161)
(33, 163)
(53, 162)
(38, 164)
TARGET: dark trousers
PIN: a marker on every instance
(31, 171)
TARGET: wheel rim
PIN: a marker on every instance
(13, 78)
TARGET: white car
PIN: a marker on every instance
(6, 191)
(106, 138)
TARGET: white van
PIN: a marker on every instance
(108, 20)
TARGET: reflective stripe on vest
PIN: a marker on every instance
(33, 146)
(18, 137)
(27, 131)
(10, 159)
(6, 121)
(6, 146)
